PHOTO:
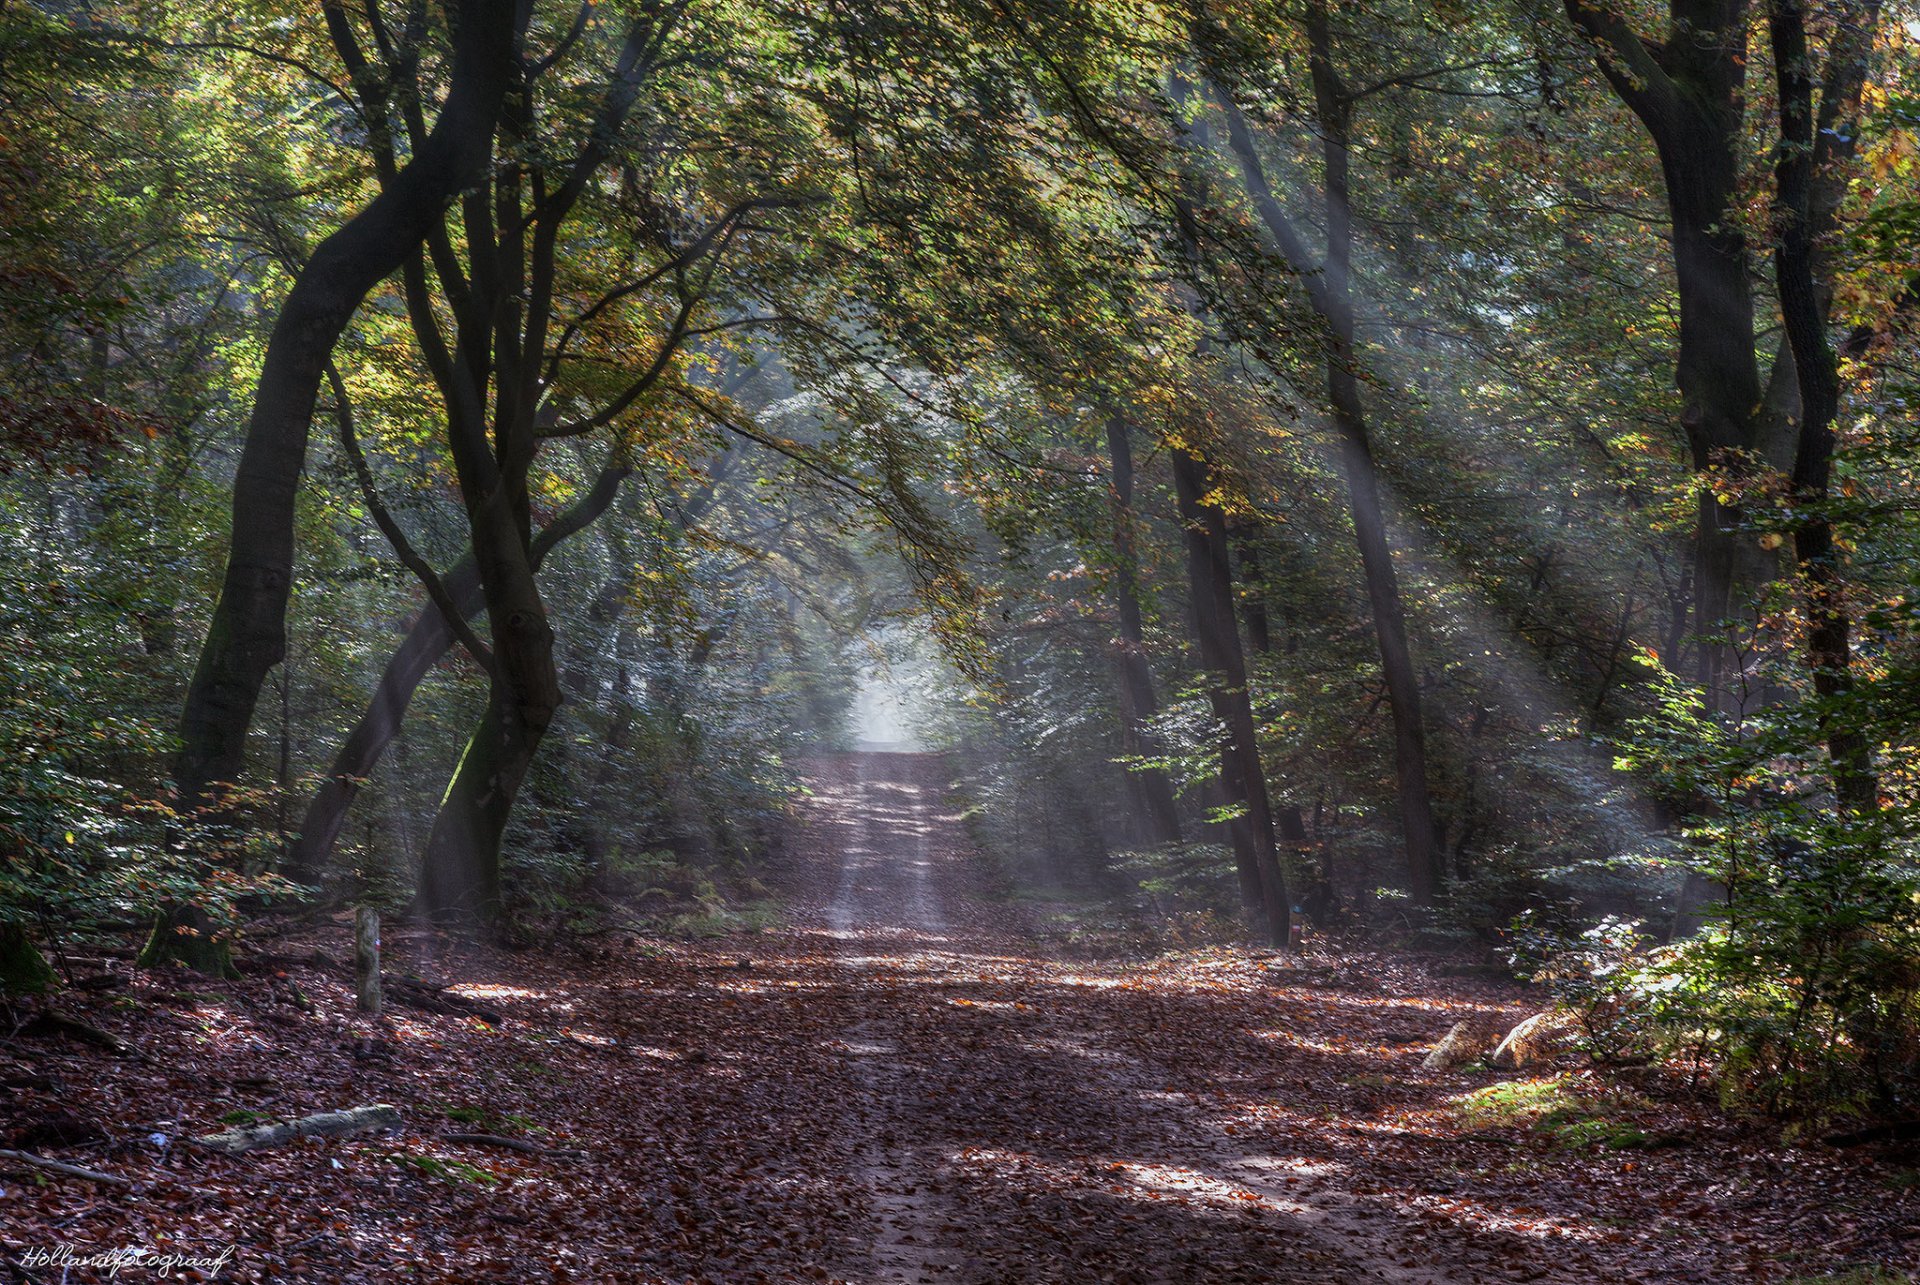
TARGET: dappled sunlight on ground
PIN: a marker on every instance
(901, 1084)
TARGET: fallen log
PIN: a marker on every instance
(48, 1022)
(512, 1144)
(64, 1169)
(268, 961)
(437, 999)
(1889, 1131)
(1540, 1038)
(327, 1124)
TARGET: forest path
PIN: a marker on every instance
(908, 1080)
(1012, 1120)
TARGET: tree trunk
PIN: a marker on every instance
(1243, 779)
(1816, 367)
(366, 959)
(326, 816)
(1363, 488)
(1329, 289)
(23, 969)
(187, 935)
(1292, 826)
(327, 1124)
(247, 636)
(1153, 795)
(460, 880)
(1689, 94)
(429, 639)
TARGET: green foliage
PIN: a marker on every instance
(1804, 987)
(1568, 1112)
(458, 1171)
(84, 835)
(1183, 878)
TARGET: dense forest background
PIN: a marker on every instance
(1442, 472)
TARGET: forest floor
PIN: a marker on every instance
(904, 1082)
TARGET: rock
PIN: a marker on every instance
(1468, 1041)
(1540, 1038)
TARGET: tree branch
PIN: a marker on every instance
(403, 547)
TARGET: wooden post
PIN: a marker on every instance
(366, 958)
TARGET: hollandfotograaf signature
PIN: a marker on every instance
(114, 1261)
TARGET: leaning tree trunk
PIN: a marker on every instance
(430, 638)
(247, 635)
(1335, 304)
(1329, 289)
(1263, 883)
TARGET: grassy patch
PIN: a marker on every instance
(447, 1170)
(484, 1120)
(1555, 1109)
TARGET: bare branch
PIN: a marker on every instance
(403, 547)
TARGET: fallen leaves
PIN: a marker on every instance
(900, 1084)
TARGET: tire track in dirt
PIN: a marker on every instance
(1005, 1134)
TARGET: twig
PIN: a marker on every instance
(50, 1022)
(512, 1144)
(63, 1168)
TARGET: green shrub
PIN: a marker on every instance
(1803, 991)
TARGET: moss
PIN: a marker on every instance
(1555, 1109)
(23, 969)
(184, 935)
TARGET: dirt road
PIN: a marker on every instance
(899, 1083)
(1014, 1123)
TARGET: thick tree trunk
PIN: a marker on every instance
(1689, 94)
(23, 969)
(1153, 795)
(1816, 367)
(429, 639)
(1243, 779)
(460, 880)
(247, 635)
(187, 935)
